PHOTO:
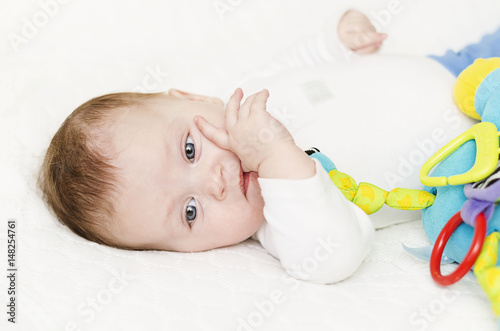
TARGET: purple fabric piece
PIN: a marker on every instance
(472, 207)
(477, 191)
(482, 197)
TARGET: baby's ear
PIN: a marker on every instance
(194, 97)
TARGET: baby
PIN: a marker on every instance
(180, 172)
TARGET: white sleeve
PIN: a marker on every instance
(322, 48)
(316, 233)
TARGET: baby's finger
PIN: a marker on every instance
(232, 108)
(364, 39)
(371, 44)
(380, 37)
(367, 50)
(247, 105)
(259, 103)
(213, 133)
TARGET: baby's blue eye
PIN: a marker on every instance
(191, 211)
(189, 149)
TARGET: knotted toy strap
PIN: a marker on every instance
(371, 198)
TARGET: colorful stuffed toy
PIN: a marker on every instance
(477, 94)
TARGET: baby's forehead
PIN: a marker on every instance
(162, 105)
(144, 127)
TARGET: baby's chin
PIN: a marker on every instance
(256, 223)
(250, 226)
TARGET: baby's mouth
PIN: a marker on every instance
(244, 181)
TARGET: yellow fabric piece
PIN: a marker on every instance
(371, 198)
(469, 80)
(487, 274)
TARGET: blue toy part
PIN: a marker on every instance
(324, 160)
(487, 98)
(423, 253)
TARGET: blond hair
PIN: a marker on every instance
(77, 178)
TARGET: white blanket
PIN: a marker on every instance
(57, 54)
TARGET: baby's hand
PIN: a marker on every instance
(251, 132)
(358, 34)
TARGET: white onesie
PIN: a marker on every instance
(378, 117)
(360, 112)
(316, 233)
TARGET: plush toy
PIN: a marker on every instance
(477, 94)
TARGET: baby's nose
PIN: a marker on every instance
(216, 185)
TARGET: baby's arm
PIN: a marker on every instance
(308, 218)
(316, 233)
(346, 33)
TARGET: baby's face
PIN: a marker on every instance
(177, 190)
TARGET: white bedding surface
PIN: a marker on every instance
(73, 282)
(88, 48)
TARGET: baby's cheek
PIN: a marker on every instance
(256, 216)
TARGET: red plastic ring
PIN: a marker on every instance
(469, 259)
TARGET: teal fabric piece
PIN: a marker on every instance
(424, 253)
(486, 105)
(324, 160)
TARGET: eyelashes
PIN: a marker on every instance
(189, 149)
(191, 211)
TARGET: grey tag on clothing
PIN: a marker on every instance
(316, 92)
